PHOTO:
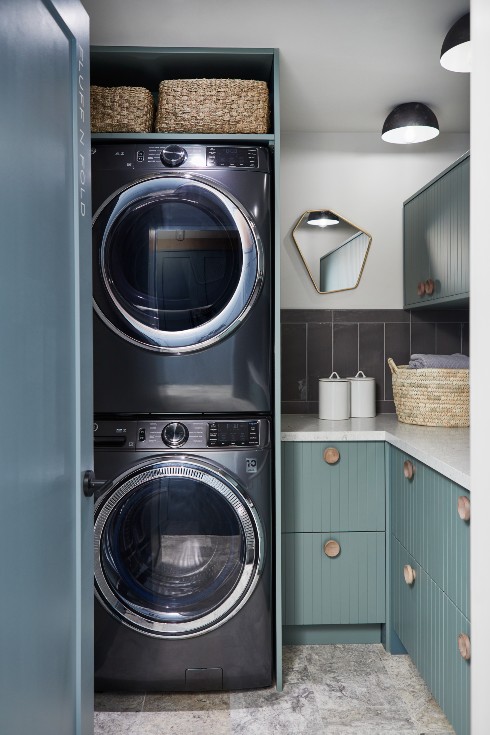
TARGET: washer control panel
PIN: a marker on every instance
(181, 433)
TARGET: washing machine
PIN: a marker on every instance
(181, 278)
(183, 554)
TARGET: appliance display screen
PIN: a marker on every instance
(233, 433)
(232, 157)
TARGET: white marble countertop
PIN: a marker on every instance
(445, 450)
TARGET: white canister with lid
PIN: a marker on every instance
(362, 396)
(334, 398)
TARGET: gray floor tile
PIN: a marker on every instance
(329, 690)
(195, 702)
(118, 702)
(115, 723)
(268, 712)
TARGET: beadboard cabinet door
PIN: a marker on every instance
(334, 491)
(429, 624)
(348, 589)
(348, 495)
(426, 521)
(436, 240)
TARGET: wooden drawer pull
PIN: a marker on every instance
(464, 510)
(331, 548)
(408, 469)
(409, 574)
(429, 287)
(464, 645)
(331, 455)
(421, 288)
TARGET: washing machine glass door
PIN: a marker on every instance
(178, 263)
(179, 548)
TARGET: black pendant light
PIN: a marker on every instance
(323, 218)
(411, 122)
(455, 51)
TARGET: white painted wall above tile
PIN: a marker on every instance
(366, 181)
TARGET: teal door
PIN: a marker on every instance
(46, 522)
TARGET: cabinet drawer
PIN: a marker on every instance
(428, 624)
(346, 589)
(348, 495)
(425, 520)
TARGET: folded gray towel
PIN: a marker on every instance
(457, 361)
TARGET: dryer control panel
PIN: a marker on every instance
(180, 434)
(159, 158)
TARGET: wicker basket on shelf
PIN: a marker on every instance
(121, 110)
(212, 106)
(431, 396)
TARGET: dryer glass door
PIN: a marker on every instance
(177, 263)
(179, 549)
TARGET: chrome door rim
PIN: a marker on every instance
(229, 318)
(245, 510)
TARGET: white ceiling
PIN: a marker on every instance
(344, 63)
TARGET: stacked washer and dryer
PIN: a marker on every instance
(182, 430)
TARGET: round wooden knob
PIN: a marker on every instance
(421, 288)
(429, 287)
(408, 469)
(464, 645)
(464, 511)
(331, 455)
(409, 574)
(331, 548)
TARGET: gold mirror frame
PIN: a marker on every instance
(301, 221)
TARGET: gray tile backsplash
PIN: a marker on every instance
(316, 342)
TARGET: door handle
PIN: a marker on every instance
(90, 484)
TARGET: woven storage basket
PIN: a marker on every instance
(212, 106)
(121, 110)
(431, 397)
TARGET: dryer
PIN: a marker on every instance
(183, 554)
(181, 278)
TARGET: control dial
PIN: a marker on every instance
(175, 434)
(173, 155)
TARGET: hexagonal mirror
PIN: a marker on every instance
(332, 249)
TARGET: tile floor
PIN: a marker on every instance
(328, 690)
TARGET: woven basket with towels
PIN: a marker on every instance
(431, 396)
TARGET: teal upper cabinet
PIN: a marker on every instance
(436, 240)
(114, 66)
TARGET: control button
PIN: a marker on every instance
(173, 155)
(142, 435)
(175, 434)
(140, 156)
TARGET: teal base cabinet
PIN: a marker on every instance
(344, 590)
(430, 580)
(334, 545)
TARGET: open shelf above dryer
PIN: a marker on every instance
(147, 67)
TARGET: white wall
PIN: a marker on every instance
(366, 181)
